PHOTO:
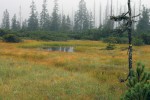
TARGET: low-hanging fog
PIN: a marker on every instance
(68, 7)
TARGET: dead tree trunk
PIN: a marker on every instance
(130, 37)
(127, 26)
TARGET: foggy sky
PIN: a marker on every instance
(66, 5)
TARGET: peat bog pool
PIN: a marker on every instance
(59, 48)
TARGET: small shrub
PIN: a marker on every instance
(2, 32)
(122, 40)
(110, 46)
(146, 38)
(11, 38)
(138, 42)
(118, 40)
(110, 40)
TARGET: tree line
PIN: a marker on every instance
(55, 22)
(80, 26)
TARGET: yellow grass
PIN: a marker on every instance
(89, 73)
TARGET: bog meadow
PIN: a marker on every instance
(54, 56)
(90, 72)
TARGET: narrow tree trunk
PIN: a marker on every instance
(106, 13)
(130, 37)
(134, 14)
(100, 15)
(20, 15)
(139, 8)
(94, 15)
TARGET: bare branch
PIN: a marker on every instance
(120, 17)
(136, 16)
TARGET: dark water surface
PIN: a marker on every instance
(62, 49)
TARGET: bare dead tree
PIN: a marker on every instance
(100, 15)
(127, 26)
(20, 16)
(106, 13)
(140, 6)
(111, 8)
(94, 14)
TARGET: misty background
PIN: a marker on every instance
(67, 7)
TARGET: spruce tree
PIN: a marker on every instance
(14, 23)
(91, 21)
(144, 24)
(25, 25)
(33, 20)
(5, 21)
(64, 23)
(109, 24)
(44, 17)
(68, 23)
(138, 85)
(81, 17)
(55, 21)
(18, 25)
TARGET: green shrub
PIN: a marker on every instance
(146, 38)
(138, 42)
(118, 40)
(2, 32)
(110, 46)
(122, 40)
(45, 35)
(110, 40)
(11, 38)
(138, 85)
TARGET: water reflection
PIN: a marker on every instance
(62, 49)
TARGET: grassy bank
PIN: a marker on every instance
(89, 73)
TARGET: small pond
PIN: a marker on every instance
(62, 49)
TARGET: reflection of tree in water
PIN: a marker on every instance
(63, 49)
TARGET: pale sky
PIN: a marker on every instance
(67, 5)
